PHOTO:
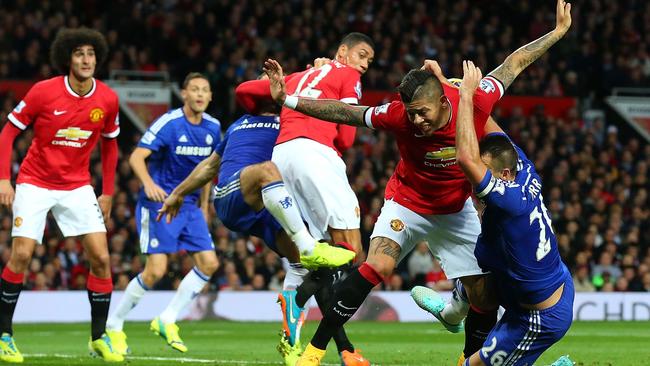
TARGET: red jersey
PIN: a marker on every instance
(66, 129)
(427, 179)
(332, 81)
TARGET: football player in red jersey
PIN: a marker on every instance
(428, 197)
(308, 153)
(69, 115)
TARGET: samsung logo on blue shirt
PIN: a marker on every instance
(193, 150)
(274, 125)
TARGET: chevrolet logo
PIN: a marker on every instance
(73, 133)
(446, 153)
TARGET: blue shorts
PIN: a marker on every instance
(238, 216)
(522, 335)
(187, 231)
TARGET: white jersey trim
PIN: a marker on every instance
(112, 135)
(16, 122)
(74, 94)
(487, 189)
(164, 119)
(367, 117)
(496, 82)
(350, 100)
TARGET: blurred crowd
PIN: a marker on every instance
(607, 45)
(595, 183)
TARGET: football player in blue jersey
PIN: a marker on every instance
(174, 145)
(517, 244)
(251, 198)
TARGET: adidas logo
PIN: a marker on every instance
(183, 138)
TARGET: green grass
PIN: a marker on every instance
(235, 343)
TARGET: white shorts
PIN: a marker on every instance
(451, 238)
(76, 212)
(315, 176)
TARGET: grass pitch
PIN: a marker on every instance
(387, 344)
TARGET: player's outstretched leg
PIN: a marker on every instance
(262, 187)
(450, 314)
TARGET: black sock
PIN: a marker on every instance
(99, 305)
(477, 327)
(307, 288)
(323, 297)
(347, 299)
(9, 293)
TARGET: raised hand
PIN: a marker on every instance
(274, 71)
(563, 16)
(471, 78)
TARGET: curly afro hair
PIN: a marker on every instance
(67, 40)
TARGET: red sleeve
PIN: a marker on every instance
(26, 111)
(249, 93)
(351, 87)
(345, 138)
(112, 124)
(489, 91)
(390, 116)
(7, 137)
(109, 165)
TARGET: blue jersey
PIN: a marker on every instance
(178, 146)
(249, 140)
(517, 242)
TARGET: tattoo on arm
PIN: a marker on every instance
(385, 246)
(524, 56)
(333, 111)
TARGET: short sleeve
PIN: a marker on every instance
(489, 91)
(390, 116)
(350, 92)
(26, 111)
(155, 139)
(112, 124)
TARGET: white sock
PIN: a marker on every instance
(283, 207)
(457, 307)
(132, 295)
(190, 287)
(294, 277)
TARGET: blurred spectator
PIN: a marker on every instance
(596, 177)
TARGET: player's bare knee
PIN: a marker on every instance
(209, 266)
(268, 173)
(150, 276)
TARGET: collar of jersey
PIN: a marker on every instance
(72, 92)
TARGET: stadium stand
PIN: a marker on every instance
(596, 174)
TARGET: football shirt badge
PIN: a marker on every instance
(96, 115)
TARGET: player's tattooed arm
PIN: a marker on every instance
(332, 110)
(516, 62)
(325, 109)
(385, 246)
